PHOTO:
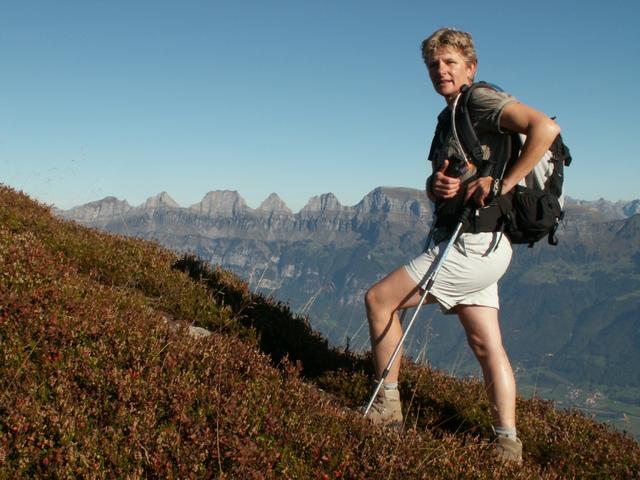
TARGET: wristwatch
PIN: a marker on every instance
(495, 191)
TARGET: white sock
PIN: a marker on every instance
(390, 386)
(509, 432)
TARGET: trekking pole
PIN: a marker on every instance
(427, 244)
(428, 284)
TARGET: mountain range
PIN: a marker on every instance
(570, 314)
(227, 202)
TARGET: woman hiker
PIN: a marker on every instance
(467, 282)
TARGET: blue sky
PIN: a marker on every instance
(131, 98)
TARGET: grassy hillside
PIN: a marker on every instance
(100, 378)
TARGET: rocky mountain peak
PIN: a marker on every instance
(323, 203)
(161, 200)
(395, 200)
(632, 208)
(221, 202)
(605, 208)
(105, 209)
(273, 203)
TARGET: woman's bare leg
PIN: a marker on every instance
(395, 291)
(483, 334)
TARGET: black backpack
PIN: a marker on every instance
(530, 212)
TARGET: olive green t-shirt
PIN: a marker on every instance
(485, 108)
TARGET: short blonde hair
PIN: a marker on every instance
(449, 37)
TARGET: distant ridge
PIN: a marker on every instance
(229, 203)
(221, 202)
(162, 200)
(274, 203)
(323, 203)
(608, 209)
(98, 210)
(394, 200)
(381, 200)
(400, 200)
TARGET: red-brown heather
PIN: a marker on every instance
(95, 383)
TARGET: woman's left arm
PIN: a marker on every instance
(540, 130)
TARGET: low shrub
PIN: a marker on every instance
(95, 381)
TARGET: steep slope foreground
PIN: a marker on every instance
(570, 314)
(100, 379)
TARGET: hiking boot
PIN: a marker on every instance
(507, 449)
(386, 409)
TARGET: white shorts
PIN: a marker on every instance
(469, 274)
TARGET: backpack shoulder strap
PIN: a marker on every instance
(469, 139)
(441, 127)
(561, 157)
(462, 117)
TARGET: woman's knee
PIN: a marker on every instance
(373, 299)
(485, 349)
(394, 291)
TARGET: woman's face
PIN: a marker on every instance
(449, 72)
